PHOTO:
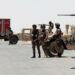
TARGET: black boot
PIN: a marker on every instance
(39, 56)
(33, 57)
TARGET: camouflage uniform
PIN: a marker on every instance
(35, 42)
(58, 35)
(55, 46)
(51, 25)
(9, 34)
(43, 37)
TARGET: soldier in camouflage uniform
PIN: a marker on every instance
(43, 38)
(35, 41)
(54, 46)
(51, 25)
(59, 34)
(57, 46)
(9, 34)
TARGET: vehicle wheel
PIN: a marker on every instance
(55, 50)
(6, 38)
(47, 45)
(14, 39)
(51, 51)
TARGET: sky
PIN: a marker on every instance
(25, 13)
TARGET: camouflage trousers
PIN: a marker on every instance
(36, 44)
(44, 48)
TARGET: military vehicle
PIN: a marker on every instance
(6, 33)
(69, 38)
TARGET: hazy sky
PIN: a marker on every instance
(24, 13)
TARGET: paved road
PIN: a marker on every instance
(15, 60)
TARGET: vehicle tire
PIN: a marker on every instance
(55, 50)
(6, 38)
(14, 39)
(51, 51)
(47, 44)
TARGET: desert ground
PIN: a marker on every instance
(16, 60)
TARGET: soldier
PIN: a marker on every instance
(58, 34)
(35, 41)
(9, 34)
(51, 25)
(43, 37)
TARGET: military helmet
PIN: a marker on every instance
(50, 22)
(57, 25)
(34, 26)
(43, 25)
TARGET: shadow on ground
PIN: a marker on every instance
(59, 57)
(63, 57)
(72, 57)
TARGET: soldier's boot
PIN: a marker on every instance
(45, 57)
(45, 52)
(39, 56)
(33, 53)
(33, 57)
(64, 44)
(39, 53)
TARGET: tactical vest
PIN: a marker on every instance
(43, 34)
(58, 33)
(35, 34)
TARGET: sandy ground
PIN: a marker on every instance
(15, 60)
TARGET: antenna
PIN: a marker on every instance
(66, 14)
